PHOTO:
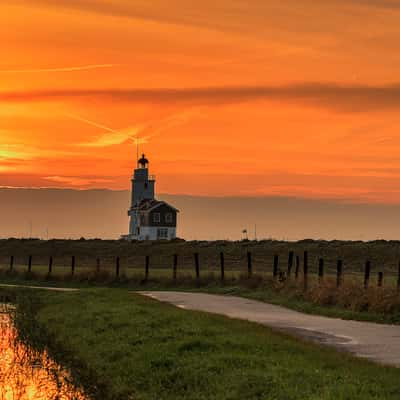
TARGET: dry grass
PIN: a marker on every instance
(353, 296)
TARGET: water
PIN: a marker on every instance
(26, 374)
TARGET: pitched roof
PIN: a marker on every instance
(151, 204)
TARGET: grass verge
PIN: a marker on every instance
(351, 301)
(122, 346)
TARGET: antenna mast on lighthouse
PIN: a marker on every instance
(137, 149)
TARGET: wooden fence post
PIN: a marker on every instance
(175, 266)
(197, 265)
(30, 264)
(380, 279)
(117, 265)
(398, 278)
(50, 265)
(147, 267)
(321, 270)
(296, 274)
(290, 263)
(222, 264)
(72, 265)
(276, 264)
(305, 270)
(11, 263)
(97, 265)
(249, 265)
(367, 274)
(339, 273)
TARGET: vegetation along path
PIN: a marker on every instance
(377, 342)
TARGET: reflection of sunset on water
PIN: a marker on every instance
(26, 374)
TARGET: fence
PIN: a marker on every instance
(280, 268)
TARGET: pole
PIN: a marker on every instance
(147, 266)
(175, 266)
(72, 265)
(339, 273)
(305, 270)
(222, 263)
(50, 264)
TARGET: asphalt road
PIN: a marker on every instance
(377, 342)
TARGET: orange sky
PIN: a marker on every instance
(234, 97)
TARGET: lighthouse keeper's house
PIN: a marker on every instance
(150, 219)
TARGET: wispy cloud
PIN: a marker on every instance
(58, 69)
(13, 158)
(222, 15)
(158, 127)
(334, 96)
(14, 152)
(76, 181)
(143, 10)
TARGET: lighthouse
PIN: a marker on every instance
(150, 219)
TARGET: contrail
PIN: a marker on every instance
(61, 69)
(146, 131)
(95, 124)
(117, 137)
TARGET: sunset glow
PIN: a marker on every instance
(260, 98)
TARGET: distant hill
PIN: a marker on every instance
(103, 214)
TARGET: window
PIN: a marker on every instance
(162, 233)
(168, 218)
(156, 218)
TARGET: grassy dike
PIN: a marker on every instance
(120, 345)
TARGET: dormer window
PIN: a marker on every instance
(156, 218)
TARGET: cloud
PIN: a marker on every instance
(209, 14)
(14, 152)
(12, 158)
(156, 128)
(144, 10)
(76, 181)
(375, 3)
(59, 69)
(333, 96)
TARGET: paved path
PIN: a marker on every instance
(377, 342)
(56, 289)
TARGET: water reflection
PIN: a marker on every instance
(26, 374)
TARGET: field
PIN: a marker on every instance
(93, 254)
(95, 263)
(122, 346)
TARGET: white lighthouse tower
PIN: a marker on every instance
(150, 219)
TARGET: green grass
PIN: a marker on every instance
(130, 347)
(381, 305)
